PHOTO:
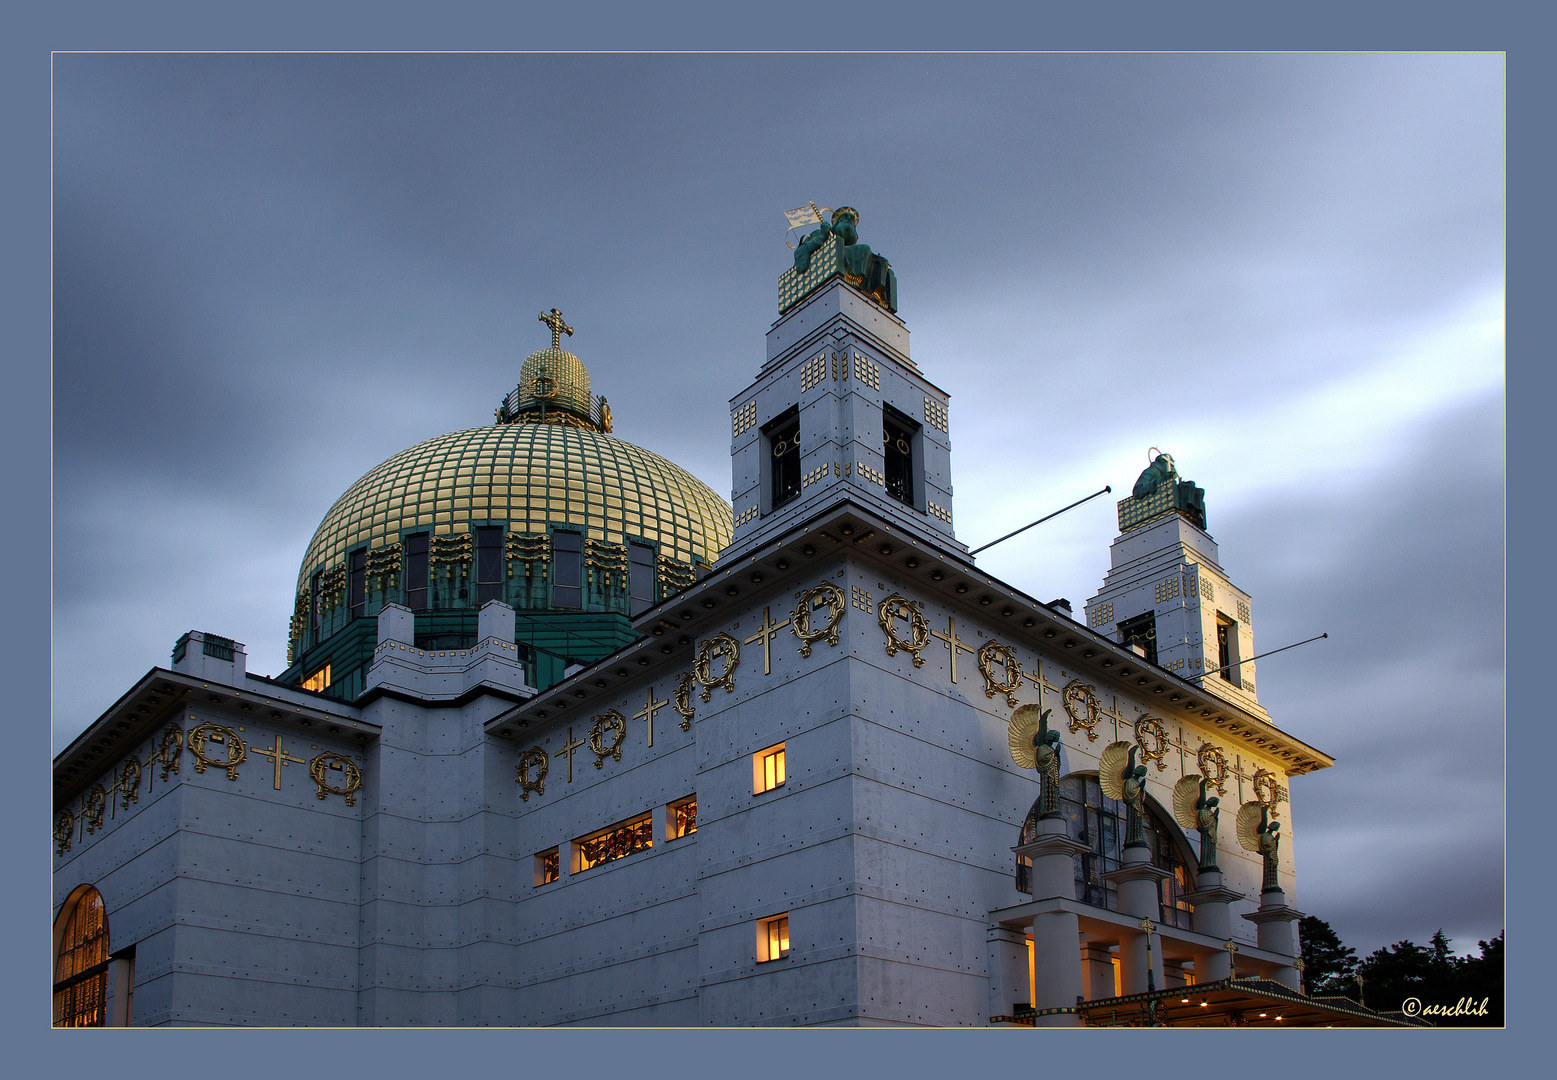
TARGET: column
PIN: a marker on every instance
(1213, 917)
(1056, 934)
(1007, 970)
(1097, 971)
(1139, 884)
(1276, 934)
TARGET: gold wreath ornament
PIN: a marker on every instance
(533, 758)
(1149, 727)
(993, 654)
(1079, 695)
(204, 734)
(597, 740)
(92, 809)
(64, 831)
(811, 600)
(321, 767)
(1213, 766)
(169, 750)
(681, 700)
(897, 607)
(719, 645)
(129, 782)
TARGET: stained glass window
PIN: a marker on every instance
(683, 817)
(81, 969)
(1099, 822)
(617, 842)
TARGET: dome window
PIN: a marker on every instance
(489, 564)
(641, 583)
(416, 550)
(567, 569)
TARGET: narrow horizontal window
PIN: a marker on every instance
(617, 842)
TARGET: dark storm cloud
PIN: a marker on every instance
(273, 272)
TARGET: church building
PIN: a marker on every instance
(567, 739)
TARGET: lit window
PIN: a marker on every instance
(548, 867)
(773, 938)
(619, 841)
(81, 963)
(683, 817)
(318, 680)
(767, 769)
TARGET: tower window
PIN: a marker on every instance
(1140, 634)
(1227, 649)
(416, 571)
(782, 437)
(897, 449)
(489, 564)
(641, 577)
(567, 569)
(358, 583)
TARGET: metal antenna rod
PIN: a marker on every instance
(1251, 659)
(1041, 520)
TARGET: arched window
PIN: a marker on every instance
(1099, 822)
(81, 962)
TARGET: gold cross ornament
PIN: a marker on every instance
(278, 755)
(553, 319)
(646, 714)
(953, 643)
(766, 633)
(568, 748)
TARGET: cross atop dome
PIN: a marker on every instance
(553, 319)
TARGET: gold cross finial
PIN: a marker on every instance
(553, 319)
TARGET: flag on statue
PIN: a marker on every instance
(805, 215)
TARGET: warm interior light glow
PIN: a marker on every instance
(772, 938)
(768, 770)
(318, 680)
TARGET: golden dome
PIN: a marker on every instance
(557, 379)
(527, 476)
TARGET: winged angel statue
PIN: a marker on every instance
(1192, 810)
(1259, 834)
(1121, 778)
(1035, 745)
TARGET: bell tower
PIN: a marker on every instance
(1166, 595)
(839, 409)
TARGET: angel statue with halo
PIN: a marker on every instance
(1121, 778)
(1192, 810)
(1259, 834)
(1035, 745)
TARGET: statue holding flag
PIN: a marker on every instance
(867, 271)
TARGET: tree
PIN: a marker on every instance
(1328, 965)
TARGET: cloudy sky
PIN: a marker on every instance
(273, 272)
